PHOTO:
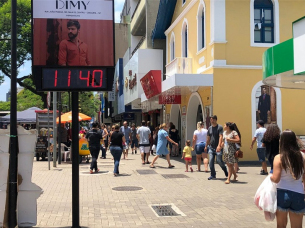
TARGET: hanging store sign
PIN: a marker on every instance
(170, 99)
(151, 83)
(299, 46)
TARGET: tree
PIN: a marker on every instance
(5, 106)
(89, 103)
(26, 99)
(24, 42)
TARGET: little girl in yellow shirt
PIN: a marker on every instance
(187, 155)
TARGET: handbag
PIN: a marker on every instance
(239, 154)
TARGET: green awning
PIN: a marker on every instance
(279, 64)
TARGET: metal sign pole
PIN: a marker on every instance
(54, 128)
(75, 161)
(49, 158)
(13, 162)
(49, 104)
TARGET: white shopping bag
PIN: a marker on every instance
(265, 198)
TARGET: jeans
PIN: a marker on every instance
(116, 152)
(199, 148)
(94, 151)
(212, 154)
(103, 152)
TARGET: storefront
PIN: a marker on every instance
(284, 67)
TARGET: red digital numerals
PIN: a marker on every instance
(95, 83)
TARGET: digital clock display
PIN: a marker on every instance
(77, 79)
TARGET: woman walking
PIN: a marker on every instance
(116, 148)
(271, 141)
(199, 142)
(231, 136)
(288, 173)
(103, 146)
(161, 147)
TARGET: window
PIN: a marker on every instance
(201, 26)
(263, 21)
(184, 36)
(185, 42)
(172, 47)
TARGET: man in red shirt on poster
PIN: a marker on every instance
(73, 51)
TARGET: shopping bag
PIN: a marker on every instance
(154, 148)
(265, 198)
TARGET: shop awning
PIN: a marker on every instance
(284, 64)
(187, 82)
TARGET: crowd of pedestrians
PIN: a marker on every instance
(282, 150)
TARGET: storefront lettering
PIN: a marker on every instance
(133, 82)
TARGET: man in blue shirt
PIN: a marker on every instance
(126, 130)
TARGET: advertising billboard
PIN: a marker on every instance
(73, 44)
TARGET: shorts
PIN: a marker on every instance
(290, 201)
(144, 149)
(261, 153)
(188, 159)
(134, 143)
(199, 148)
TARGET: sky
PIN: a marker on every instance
(26, 68)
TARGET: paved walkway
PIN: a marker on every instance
(204, 203)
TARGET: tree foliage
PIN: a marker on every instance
(89, 103)
(24, 37)
(5, 106)
(26, 99)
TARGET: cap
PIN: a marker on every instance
(260, 122)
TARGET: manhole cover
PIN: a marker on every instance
(127, 188)
(166, 210)
(146, 171)
(171, 176)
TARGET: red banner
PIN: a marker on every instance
(170, 99)
(151, 83)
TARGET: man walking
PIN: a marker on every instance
(213, 146)
(94, 138)
(126, 130)
(143, 135)
(261, 151)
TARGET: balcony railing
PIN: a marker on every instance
(138, 45)
(179, 66)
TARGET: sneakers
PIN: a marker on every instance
(263, 172)
(211, 177)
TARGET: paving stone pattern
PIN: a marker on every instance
(205, 203)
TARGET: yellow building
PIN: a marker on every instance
(214, 54)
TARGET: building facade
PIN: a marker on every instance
(219, 45)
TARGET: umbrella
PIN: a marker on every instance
(67, 117)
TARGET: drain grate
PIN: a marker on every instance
(127, 188)
(172, 176)
(164, 210)
(146, 171)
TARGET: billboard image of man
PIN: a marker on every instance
(73, 51)
(264, 106)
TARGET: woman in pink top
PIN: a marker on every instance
(288, 173)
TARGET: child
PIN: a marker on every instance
(187, 155)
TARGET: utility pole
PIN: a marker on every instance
(13, 162)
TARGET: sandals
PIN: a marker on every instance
(172, 166)
(152, 166)
(91, 171)
(97, 170)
